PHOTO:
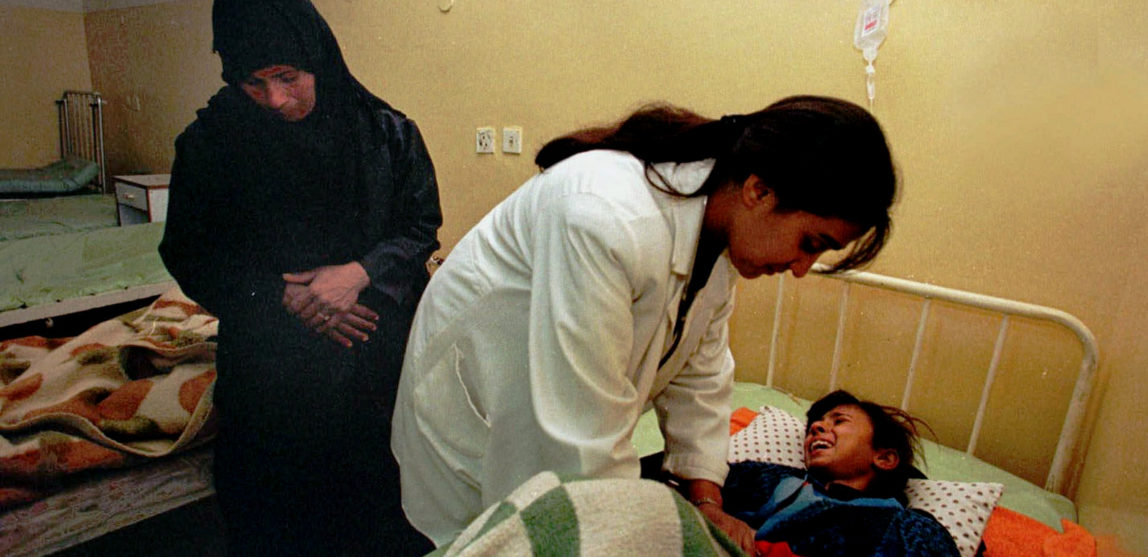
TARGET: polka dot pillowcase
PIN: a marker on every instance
(774, 436)
(963, 508)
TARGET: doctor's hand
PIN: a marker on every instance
(707, 498)
(738, 531)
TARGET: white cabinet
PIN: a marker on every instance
(141, 198)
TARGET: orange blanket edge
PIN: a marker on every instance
(1010, 533)
(740, 418)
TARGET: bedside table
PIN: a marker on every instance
(141, 198)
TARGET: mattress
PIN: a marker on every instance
(48, 216)
(65, 175)
(47, 269)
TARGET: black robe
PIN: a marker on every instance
(302, 459)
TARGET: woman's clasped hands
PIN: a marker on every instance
(326, 298)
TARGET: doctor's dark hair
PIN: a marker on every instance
(893, 428)
(820, 155)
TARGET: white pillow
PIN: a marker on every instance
(774, 436)
(963, 508)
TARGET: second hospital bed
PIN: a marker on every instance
(82, 160)
(61, 251)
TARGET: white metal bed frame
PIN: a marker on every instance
(82, 131)
(1058, 474)
(84, 303)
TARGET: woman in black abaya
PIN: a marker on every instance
(303, 209)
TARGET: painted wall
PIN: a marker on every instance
(49, 45)
(155, 67)
(1018, 128)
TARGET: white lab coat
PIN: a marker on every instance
(536, 345)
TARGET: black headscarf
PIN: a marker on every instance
(301, 179)
(254, 34)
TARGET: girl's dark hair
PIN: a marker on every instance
(893, 428)
(820, 155)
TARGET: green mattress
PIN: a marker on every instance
(47, 269)
(942, 463)
(63, 176)
(26, 218)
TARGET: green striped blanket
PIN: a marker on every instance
(549, 516)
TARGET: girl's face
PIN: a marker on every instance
(839, 447)
(764, 240)
(284, 90)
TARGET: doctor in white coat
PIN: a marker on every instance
(604, 286)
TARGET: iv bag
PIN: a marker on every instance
(872, 26)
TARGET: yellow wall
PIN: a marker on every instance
(1019, 129)
(155, 67)
(48, 45)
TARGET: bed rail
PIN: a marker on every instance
(81, 115)
(1060, 469)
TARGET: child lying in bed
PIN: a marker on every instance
(850, 500)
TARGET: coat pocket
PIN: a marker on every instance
(447, 416)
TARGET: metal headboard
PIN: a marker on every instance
(82, 129)
(1058, 473)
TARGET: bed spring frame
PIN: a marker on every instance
(1060, 469)
(82, 130)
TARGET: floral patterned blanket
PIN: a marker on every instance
(126, 391)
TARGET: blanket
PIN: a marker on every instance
(551, 516)
(128, 390)
(1011, 534)
(785, 506)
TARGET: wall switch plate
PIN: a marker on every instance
(512, 139)
(484, 140)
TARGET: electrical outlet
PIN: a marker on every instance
(484, 140)
(512, 139)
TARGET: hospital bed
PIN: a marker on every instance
(61, 251)
(82, 159)
(51, 275)
(998, 465)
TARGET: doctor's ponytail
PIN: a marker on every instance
(819, 155)
(654, 133)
